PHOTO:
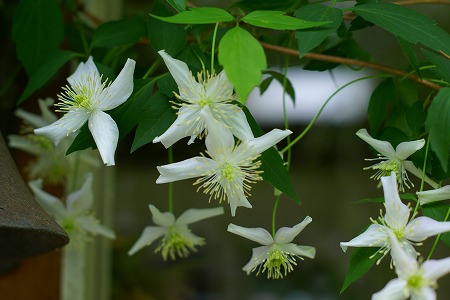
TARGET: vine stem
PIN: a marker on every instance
(274, 215)
(170, 187)
(213, 48)
(351, 61)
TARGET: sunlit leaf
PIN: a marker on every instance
(200, 15)
(277, 20)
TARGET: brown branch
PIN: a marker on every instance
(351, 62)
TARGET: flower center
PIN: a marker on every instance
(205, 102)
(68, 225)
(385, 167)
(415, 282)
(228, 171)
(175, 243)
(277, 260)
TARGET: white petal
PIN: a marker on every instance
(405, 265)
(24, 144)
(406, 149)
(430, 196)
(190, 237)
(150, 234)
(259, 254)
(165, 219)
(259, 235)
(84, 70)
(90, 224)
(383, 147)
(47, 115)
(262, 143)
(397, 213)
(426, 293)
(81, 200)
(394, 290)
(411, 168)
(219, 141)
(375, 236)
(423, 227)
(106, 135)
(49, 203)
(236, 196)
(194, 215)
(285, 235)
(69, 123)
(219, 87)
(305, 251)
(435, 269)
(238, 124)
(121, 88)
(189, 168)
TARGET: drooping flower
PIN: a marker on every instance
(177, 237)
(208, 97)
(74, 217)
(395, 160)
(277, 255)
(230, 170)
(396, 221)
(414, 280)
(440, 194)
(85, 100)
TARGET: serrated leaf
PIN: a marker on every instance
(309, 39)
(200, 15)
(360, 263)
(37, 31)
(438, 125)
(179, 5)
(377, 110)
(156, 117)
(277, 20)
(280, 78)
(406, 23)
(243, 59)
(441, 64)
(119, 33)
(45, 72)
(438, 212)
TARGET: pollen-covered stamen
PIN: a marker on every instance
(278, 263)
(386, 166)
(175, 243)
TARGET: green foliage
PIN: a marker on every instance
(438, 211)
(201, 15)
(441, 64)
(281, 79)
(243, 59)
(378, 110)
(179, 5)
(277, 20)
(118, 33)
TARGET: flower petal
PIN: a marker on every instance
(406, 149)
(394, 290)
(259, 235)
(262, 143)
(219, 87)
(236, 196)
(165, 219)
(219, 141)
(90, 224)
(430, 196)
(83, 71)
(435, 269)
(120, 89)
(237, 122)
(25, 144)
(259, 254)
(149, 234)
(194, 215)
(397, 213)
(405, 265)
(382, 147)
(81, 200)
(426, 293)
(305, 251)
(106, 135)
(423, 227)
(189, 168)
(49, 203)
(411, 168)
(285, 235)
(375, 236)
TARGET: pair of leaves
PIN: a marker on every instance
(289, 89)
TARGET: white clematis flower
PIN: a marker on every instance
(74, 217)
(395, 160)
(414, 280)
(395, 221)
(277, 255)
(208, 98)
(85, 100)
(177, 237)
(440, 194)
(230, 170)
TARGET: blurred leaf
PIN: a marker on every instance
(243, 59)
(416, 117)
(119, 33)
(377, 111)
(200, 15)
(438, 211)
(283, 5)
(410, 53)
(407, 92)
(167, 86)
(438, 125)
(37, 31)
(309, 39)
(441, 63)
(277, 20)
(410, 197)
(179, 5)
(280, 78)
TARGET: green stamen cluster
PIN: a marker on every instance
(175, 243)
(278, 259)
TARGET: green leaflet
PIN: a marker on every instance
(119, 33)
(179, 5)
(277, 20)
(201, 15)
(377, 112)
(280, 78)
(438, 211)
(243, 59)
(442, 64)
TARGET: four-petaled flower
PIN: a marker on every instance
(74, 217)
(230, 170)
(177, 237)
(85, 100)
(208, 98)
(277, 255)
(395, 221)
(414, 280)
(395, 160)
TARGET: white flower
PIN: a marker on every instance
(230, 170)
(177, 237)
(85, 100)
(395, 221)
(417, 282)
(74, 217)
(208, 98)
(395, 160)
(277, 252)
(442, 193)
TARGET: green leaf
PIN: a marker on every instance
(377, 110)
(406, 23)
(441, 63)
(280, 78)
(277, 20)
(156, 117)
(45, 72)
(200, 15)
(309, 39)
(179, 5)
(119, 33)
(37, 32)
(360, 263)
(243, 58)
(410, 53)
(284, 5)
(410, 197)
(274, 170)
(438, 211)
(438, 125)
